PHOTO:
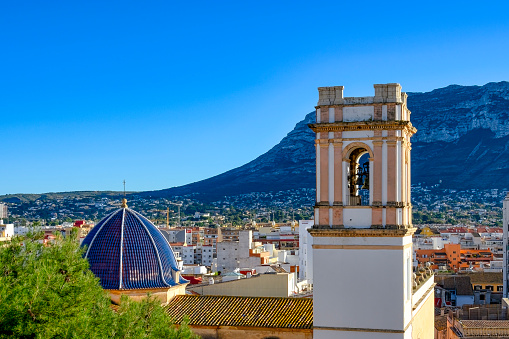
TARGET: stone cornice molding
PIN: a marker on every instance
(363, 125)
(360, 232)
(367, 102)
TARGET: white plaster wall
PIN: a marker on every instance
(366, 241)
(398, 112)
(227, 256)
(464, 300)
(245, 243)
(384, 112)
(305, 251)
(359, 288)
(357, 134)
(331, 114)
(329, 334)
(249, 262)
(358, 113)
(189, 237)
(357, 217)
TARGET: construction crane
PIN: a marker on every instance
(178, 204)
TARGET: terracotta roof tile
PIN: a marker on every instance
(485, 323)
(486, 277)
(441, 322)
(461, 283)
(242, 311)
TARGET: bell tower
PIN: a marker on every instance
(362, 238)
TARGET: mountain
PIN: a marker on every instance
(463, 136)
(462, 141)
(288, 165)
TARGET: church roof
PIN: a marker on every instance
(126, 251)
(273, 312)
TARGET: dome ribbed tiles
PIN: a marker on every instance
(126, 251)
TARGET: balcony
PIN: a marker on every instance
(358, 200)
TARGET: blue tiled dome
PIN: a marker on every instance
(126, 251)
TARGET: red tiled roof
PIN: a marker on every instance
(242, 311)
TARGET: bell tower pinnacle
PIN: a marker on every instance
(362, 238)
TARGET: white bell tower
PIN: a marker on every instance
(362, 238)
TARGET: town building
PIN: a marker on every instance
(363, 220)
(3, 211)
(453, 258)
(262, 285)
(453, 290)
(6, 230)
(243, 253)
(305, 252)
(212, 236)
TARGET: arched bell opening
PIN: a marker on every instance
(358, 178)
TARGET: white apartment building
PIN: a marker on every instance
(207, 255)
(3, 210)
(235, 254)
(6, 230)
(305, 251)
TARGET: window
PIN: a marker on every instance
(489, 287)
(482, 297)
(500, 288)
(477, 287)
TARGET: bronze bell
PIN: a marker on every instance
(366, 184)
(358, 182)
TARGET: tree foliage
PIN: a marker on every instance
(47, 291)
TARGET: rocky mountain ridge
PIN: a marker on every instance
(446, 114)
(462, 143)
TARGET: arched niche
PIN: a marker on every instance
(357, 174)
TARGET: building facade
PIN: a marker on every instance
(3, 211)
(363, 226)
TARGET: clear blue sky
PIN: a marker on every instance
(166, 93)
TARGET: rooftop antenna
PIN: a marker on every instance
(124, 201)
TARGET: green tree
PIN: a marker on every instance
(47, 291)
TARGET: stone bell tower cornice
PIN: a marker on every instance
(363, 125)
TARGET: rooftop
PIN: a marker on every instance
(461, 283)
(486, 277)
(242, 311)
